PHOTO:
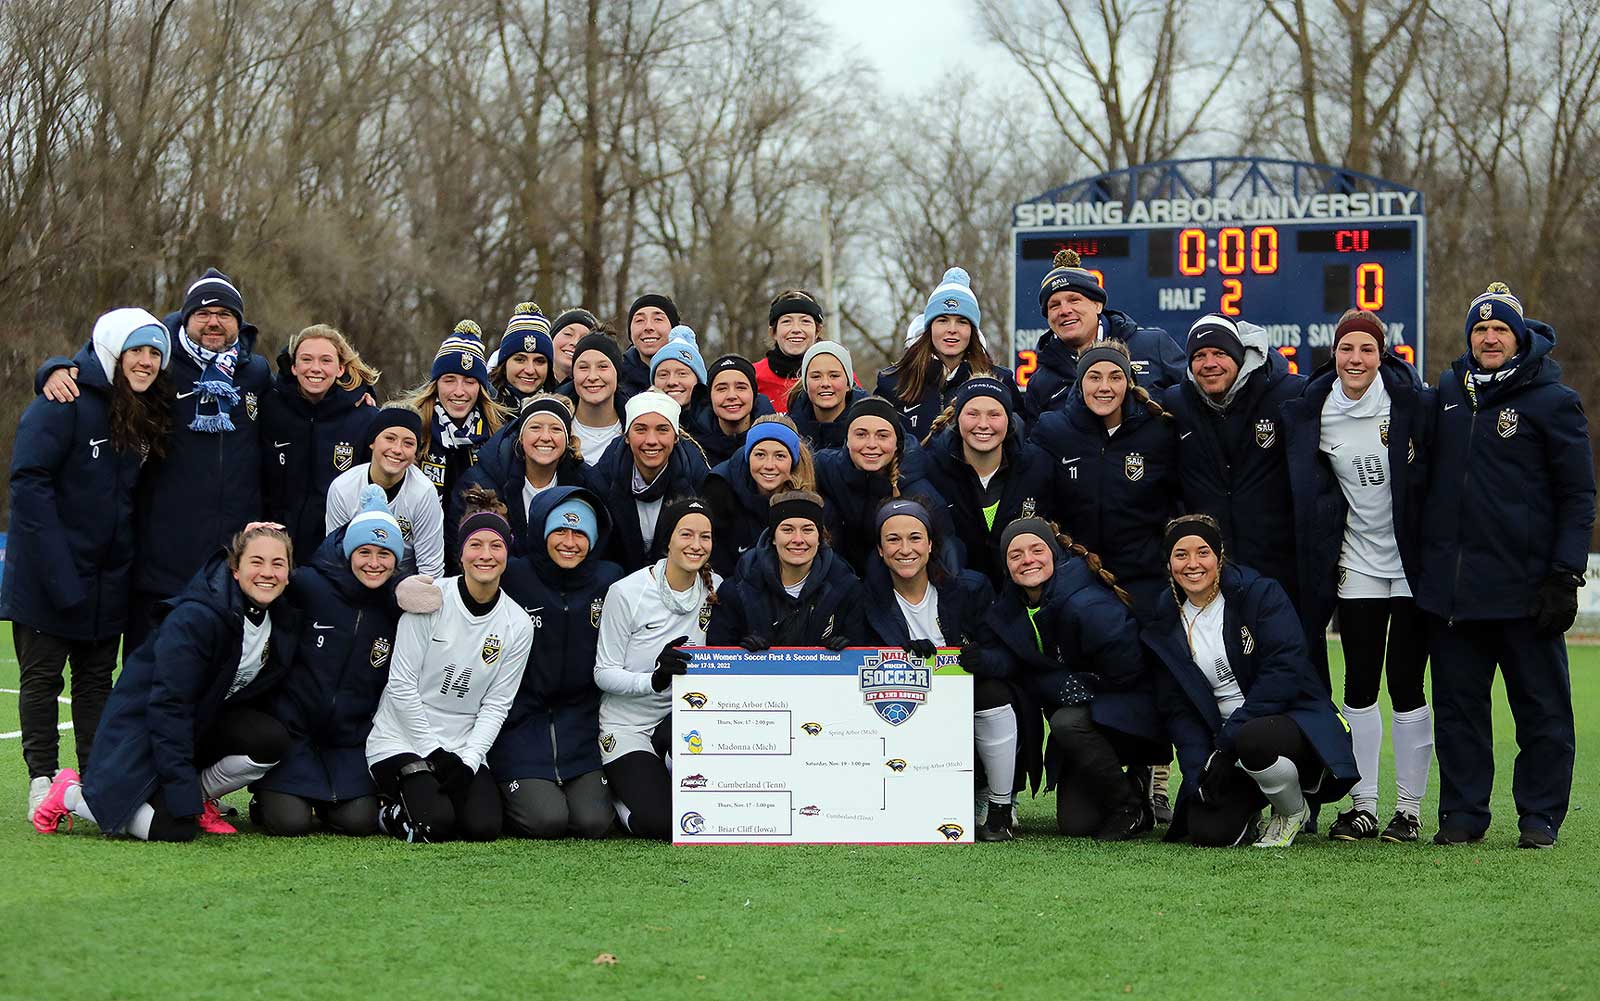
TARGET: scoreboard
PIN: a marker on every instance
(1290, 257)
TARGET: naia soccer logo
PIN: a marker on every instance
(894, 686)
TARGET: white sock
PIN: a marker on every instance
(1366, 736)
(231, 774)
(78, 806)
(1413, 754)
(139, 824)
(995, 732)
(623, 813)
(1280, 783)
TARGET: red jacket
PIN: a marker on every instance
(774, 386)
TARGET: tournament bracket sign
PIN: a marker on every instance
(802, 745)
(1286, 245)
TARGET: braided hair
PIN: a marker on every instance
(1093, 562)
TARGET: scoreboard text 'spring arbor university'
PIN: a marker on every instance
(1283, 244)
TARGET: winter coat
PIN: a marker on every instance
(738, 512)
(720, 446)
(1320, 509)
(70, 565)
(772, 383)
(340, 668)
(822, 434)
(612, 477)
(207, 486)
(1114, 493)
(1158, 362)
(1511, 488)
(552, 731)
(964, 601)
(853, 497)
(1233, 463)
(500, 468)
(1267, 652)
(172, 690)
(938, 392)
(305, 447)
(1025, 471)
(633, 375)
(753, 601)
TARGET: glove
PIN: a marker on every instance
(755, 643)
(1214, 777)
(452, 773)
(669, 661)
(418, 594)
(1556, 604)
(1075, 690)
(922, 648)
(837, 642)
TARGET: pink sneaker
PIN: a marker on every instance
(47, 818)
(211, 822)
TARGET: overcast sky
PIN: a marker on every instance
(911, 42)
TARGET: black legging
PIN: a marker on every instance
(1364, 626)
(249, 732)
(1093, 785)
(1260, 742)
(290, 816)
(640, 782)
(469, 814)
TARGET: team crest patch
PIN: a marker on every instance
(1247, 642)
(1029, 506)
(595, 608)
(705, 614)
(1133, 466)
(893, 686)
(695, 700)
(405, 526)
(344, 454)
(951, 304)
(1266, 432)
(491, 649)
(434, 471)
(466, 362)
(1506, 426)
(380, 652)
(1139, 367)
(252, 406)
(608, 742)
(1485, 311)
(1383, 432)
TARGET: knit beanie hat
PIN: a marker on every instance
(570, 316)
(1216, 331)
(1067, 274)
(672, 512)
(776, 431)
(953, 297)
(573, 513)
(982, 385)
(213, 289)
(1031, 526)
(527, 332)
(656, 299)
(373, 525)
(122, 330)
(651, 401)
(680, 347)
(914, 329)
(834, 348)
(1497, 303)
(734, 363)
(876, 406)
(395, 417)
(603, 343)
(462, 353)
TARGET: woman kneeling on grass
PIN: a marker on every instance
(183, 725)
(452, 678)
(1250, 717)
(647, 616)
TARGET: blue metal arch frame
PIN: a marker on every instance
(1228, 177)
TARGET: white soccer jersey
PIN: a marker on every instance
(1354, 440)
(416, 508)
(634, 626)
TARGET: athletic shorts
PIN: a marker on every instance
(617, 740)
(1353, 584)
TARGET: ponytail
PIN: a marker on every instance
(894, 475)
(711, 592)
(1092, 561)
(1143, 396)
(945, 418)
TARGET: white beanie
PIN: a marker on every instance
(651, 401)
(834, 348)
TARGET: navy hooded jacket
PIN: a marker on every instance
(738, 512)
(1234, 467)
(753, 601)
(633, 375)
(1025, 491)
(306, 446)
(1087, 634)
(500, 468)
(1267, 652)
(853, 497)
(822, 434)
(720, 446)
(1320, 510)
(208, 486)
(332, 690)
(552, 731)
(1158, 363)
(69, 567)
(1511, 490)
(964, 600)
(172, 690)
(1114, 493)
(917, 416)
(612, 477)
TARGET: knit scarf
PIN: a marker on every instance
(448, 433)
(1477, 377)
(655, 489)
(215, 385)
(678, 602)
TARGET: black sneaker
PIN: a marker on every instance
(1353, 825)
(1536, 838)
(1448, 835)
(255, 812)
(1161, 807)
(999, 824)
(1127, 823)
(1402, 829)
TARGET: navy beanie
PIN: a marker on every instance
(213, 289)
(736, 363)
(527, 332)
(601, 342)
(571, 316)
(395, 417)
(656, 299)
(1497, 303)
(462, 353)
(1215, 331)
(1068, 274)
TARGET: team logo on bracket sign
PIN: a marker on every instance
(894, 686)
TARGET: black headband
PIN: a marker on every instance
(395, 417)
(1098, 354)
(795, 504)
(556, 405)
(793, 303)
(484, 521)
(1182, 529)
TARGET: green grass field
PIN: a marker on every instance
(322, 918)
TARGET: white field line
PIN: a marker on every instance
(14, 734)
